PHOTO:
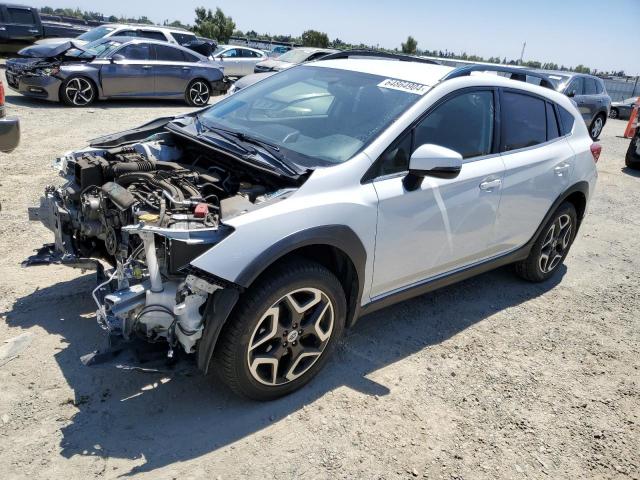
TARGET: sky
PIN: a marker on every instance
(602, 34)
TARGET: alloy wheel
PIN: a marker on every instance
(290, 336)
(199, 93)
(79, 91)
(556, 243)
(596, 128)
(613, 113)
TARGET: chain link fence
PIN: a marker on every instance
(619, 89)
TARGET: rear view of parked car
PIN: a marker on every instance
(238, 61)
(116, 67)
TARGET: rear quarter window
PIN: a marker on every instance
(566, 120)
(524, 121)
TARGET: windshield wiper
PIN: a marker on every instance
(270, 148)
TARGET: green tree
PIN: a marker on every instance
(582, 69)
(214, 25)
(313, 38)
(410, 46)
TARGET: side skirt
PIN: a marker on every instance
(445, 280)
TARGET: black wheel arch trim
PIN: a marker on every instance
(221, 305)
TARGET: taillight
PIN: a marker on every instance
(1, 93)
(596, 150)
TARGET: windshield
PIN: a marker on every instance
(102, 48)
(295, 56)
(315, 115)
(95, 33)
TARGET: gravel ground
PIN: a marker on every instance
(491, 378)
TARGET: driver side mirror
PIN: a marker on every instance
(571, 93)
(117, 58)
(433, 161)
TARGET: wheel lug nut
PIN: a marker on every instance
(286, 332)
(293, 343)
(284, 344)
(300, 332)
(295, 325)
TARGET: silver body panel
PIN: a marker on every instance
(446, 225)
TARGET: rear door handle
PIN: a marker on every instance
(146, 67)
(490, 184)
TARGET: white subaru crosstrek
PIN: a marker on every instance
(251, 233)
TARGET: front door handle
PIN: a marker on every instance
(146, 67)
(186, 68)
(490, 184)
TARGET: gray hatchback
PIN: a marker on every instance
(114, 67)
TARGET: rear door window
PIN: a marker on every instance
(183, 38)
(249, 53)
(590, 86)
(152, 34)
(20, 15)
(139, 51)
(165, 53)
(524, 121)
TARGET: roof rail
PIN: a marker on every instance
(517, 73)
(377, 54)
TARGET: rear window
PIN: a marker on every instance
(524, 121)
(566, 121)
(20, 15)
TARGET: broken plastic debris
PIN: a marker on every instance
(14, 347)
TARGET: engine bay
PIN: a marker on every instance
(146, 209)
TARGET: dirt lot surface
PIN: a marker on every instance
(492, 378)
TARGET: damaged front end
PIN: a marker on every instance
(139, 212)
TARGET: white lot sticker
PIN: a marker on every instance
(404, 86)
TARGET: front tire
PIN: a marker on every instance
(282, 331)
(613, 113)
(595, 129)
(198, 93)
(551, 247)
(78, 92)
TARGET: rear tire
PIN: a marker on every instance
(198, 93)
(595, 129)
(282, 332)
(551, 247)
(78, 92)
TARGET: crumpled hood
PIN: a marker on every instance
(49, 51)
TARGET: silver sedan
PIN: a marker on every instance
(115, 67)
